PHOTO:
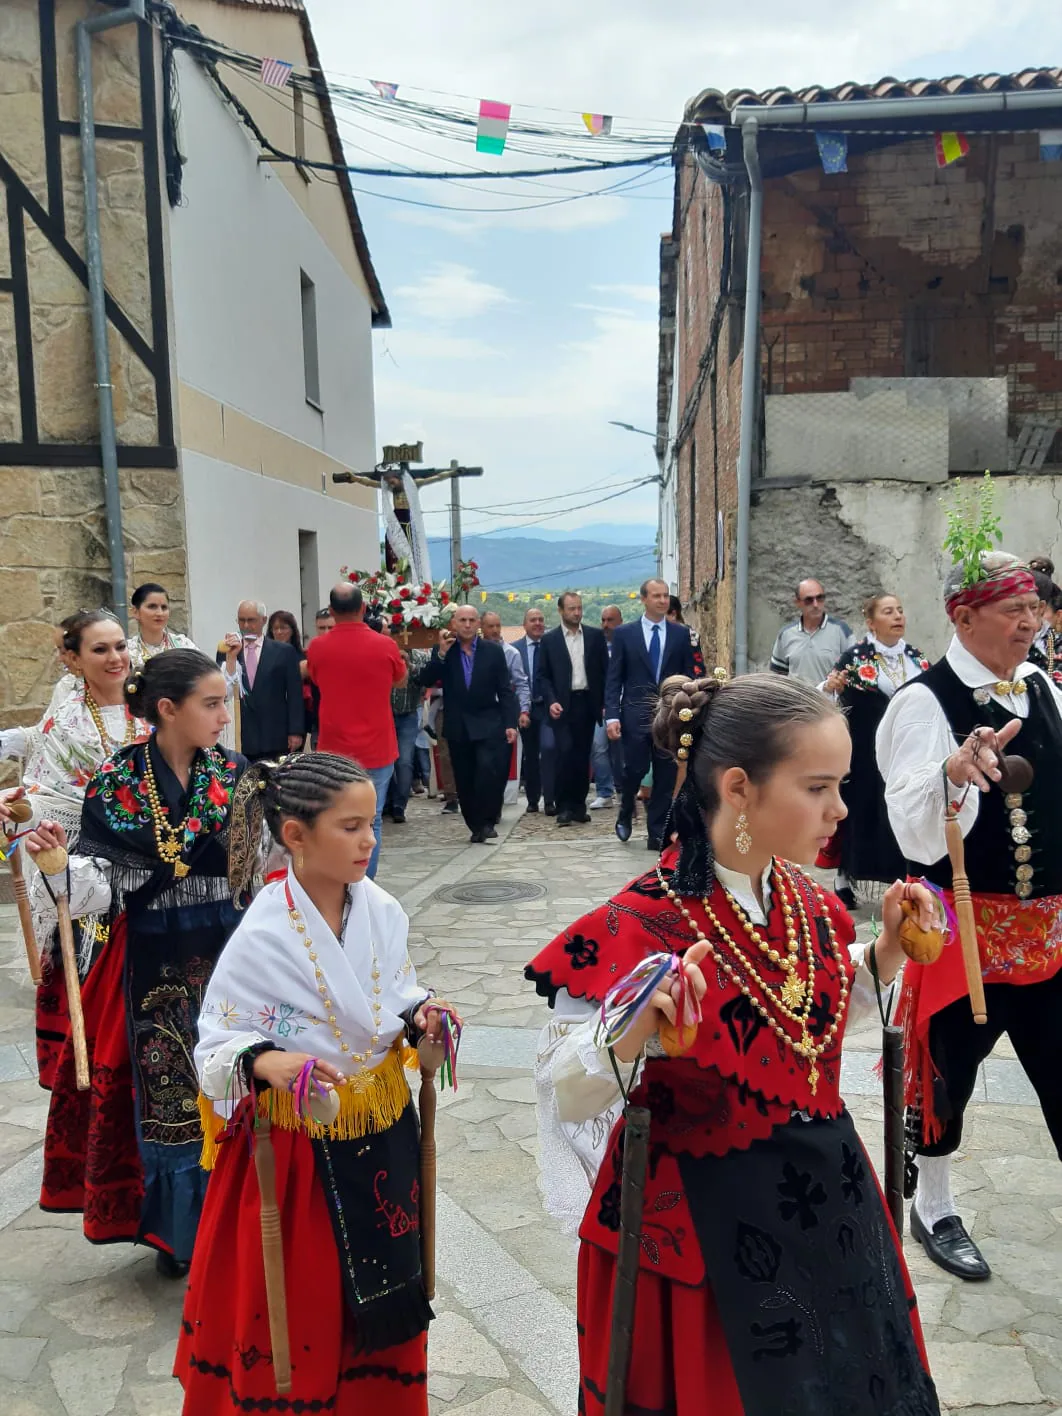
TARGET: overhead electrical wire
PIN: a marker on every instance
(571, 570)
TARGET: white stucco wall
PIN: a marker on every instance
(859, 538)
(238, 243)
(243, 544)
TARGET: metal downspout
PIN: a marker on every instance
(750, 383)
(85, 29)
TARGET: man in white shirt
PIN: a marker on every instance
(940, 746)
(537, 736)
(574, 663)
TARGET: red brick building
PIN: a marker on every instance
(909, 329)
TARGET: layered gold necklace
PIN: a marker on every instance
(169, 839)
(795, 998)
(362, 1058)
(110, 744)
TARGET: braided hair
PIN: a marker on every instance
(173, 674)
(74, 626)
(714, 724)
(301, 787)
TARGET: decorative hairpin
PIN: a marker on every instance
(686, 715)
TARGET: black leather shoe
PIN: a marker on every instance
(490, 834)
(398, 817)
(450, 809)
(551, 808)
(582, 820)
(166, 1266)
(532, 808)
(654, 843)
(564, 818)
(478, 838)
(951, 1248)
(623, 826)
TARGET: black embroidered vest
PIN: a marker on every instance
(999, 859)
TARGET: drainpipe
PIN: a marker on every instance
(85, 29)
(750, 383)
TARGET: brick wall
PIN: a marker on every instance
(896, 268)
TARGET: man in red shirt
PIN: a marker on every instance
(355, 669)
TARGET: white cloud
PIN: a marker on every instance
(474, 221)
(402, 344)
(649, 294)
(452, 292)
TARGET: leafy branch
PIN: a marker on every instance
(973, 526)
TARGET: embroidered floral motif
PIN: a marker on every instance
(799, 1197)
(853, 1175)
(122, 788)
(281, 1018)
(583, 952)
(861, 665)
(758, 1255)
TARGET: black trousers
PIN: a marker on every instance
(574, 732)
(1031, 1016)
(478, 776)
(638, 754)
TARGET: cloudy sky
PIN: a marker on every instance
(517, 337)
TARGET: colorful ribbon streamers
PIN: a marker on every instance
(624, 1004)
(451, 1041)
(949, 922)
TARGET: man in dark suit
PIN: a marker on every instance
(644, 653)
(481, 714)
(539, 750)
(272, 714)
(574, 664)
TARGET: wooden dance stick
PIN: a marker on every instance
(431, 1056)
(54, 862)
(892, 1086)
(632, 1199)
(21, 812)
(265, 1165)
(971, 954)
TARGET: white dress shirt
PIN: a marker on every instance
(913, 743)
(573, 639)
(648, 626)
(517, 677)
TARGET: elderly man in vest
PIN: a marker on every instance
(940, 744)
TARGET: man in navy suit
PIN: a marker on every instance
(537, 735)
(272, 712)
(644, 653)
(480, 715)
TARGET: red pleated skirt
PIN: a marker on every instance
(680, 1362)
(91, 1162)
(224, 1355)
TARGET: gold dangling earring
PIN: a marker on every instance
(299, 862)
(742, 839)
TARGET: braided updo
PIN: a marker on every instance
(747, 722)
(173, 674)
(300, 786)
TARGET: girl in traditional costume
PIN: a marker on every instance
(152, 870)
(151, 610)
(83, 726)
(863, 681)
(771, 1282)
(305, 1024)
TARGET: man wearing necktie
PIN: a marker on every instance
(538, 756)
(644, 653)
(272, 708)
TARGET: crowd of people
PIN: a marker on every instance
(246, 989)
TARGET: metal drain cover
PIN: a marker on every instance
(489, 892)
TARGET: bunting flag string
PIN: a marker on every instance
(493, 126)
(385, 90)
(1051, 145)
(833, 150)
(950, 147)
(276, 73)
(716, 136)
(599, 125)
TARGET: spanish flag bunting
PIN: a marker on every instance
(493, 126)
(599, 124)
(950, 147)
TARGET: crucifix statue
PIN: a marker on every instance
(403, 516)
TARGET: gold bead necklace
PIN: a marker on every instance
(362, 1058)
(169, 840)
(110, 743)
(805, 1046)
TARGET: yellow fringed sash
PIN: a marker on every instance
(371, 1101)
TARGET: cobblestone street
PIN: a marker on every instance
(87, 1332)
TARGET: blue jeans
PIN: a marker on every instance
(381, 780)
(602, 763)
(422, 764)
(406, 727)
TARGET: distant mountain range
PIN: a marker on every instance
(615, 533)
(515, 562)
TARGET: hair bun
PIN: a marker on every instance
(680, 712)
(134, 684)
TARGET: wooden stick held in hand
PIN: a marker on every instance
(431, 1056)
(21, 812)
(273, 1255)
(632, 1201)
(971, 954)
(54, 862)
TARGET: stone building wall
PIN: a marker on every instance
(894, 269)
(53, 535)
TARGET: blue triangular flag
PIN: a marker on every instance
(716, 135)
(1051, 144)
(833, 149)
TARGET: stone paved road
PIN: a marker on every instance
(89, 1332)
